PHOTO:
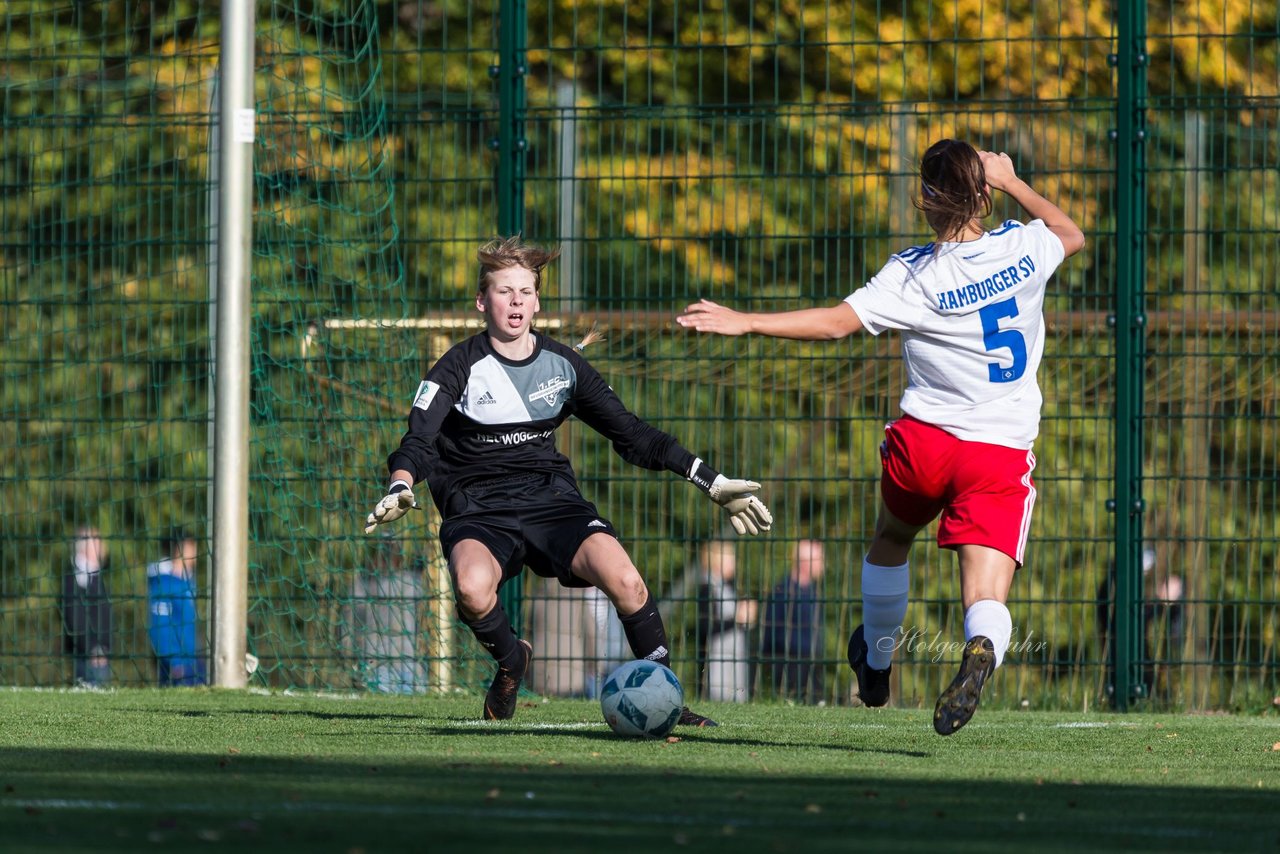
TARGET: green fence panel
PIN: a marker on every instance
(1210, 596)
(760, 155)
(104, 309)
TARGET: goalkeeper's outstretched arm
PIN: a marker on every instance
(398, 501)
(642, 444)
(747, 513)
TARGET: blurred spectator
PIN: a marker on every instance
(1165, 614)
(792, 639)
(385, 600)
(1163, 626)
(609, 641)
(171, 599)
(560, 628)
(723, 620)
(86, 609)
(1165, 622)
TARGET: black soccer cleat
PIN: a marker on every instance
(688, 717)
(500, 702)
(873, 685)
(958, 703)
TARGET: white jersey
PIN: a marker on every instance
(971, 316)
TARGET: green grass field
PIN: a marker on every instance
(197, 769)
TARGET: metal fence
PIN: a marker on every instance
(762, 157)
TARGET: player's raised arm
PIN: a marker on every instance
(998, 170)
(807, 324)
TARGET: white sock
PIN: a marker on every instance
(884, 605)
(990, 619)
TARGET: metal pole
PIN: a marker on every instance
(511, 144)
(903, 174)
(1197, 434)
(1131, 227)
(231, 421)
(568, 183)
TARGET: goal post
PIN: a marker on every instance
(231, 307)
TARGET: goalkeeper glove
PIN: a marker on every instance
(747, 513)
(397, 502)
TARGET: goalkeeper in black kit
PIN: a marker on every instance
(482, 435)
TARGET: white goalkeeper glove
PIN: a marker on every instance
(393, 505)
(747, 514)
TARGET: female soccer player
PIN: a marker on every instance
(969, 307)
(482, 434)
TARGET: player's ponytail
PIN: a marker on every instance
(593, 335)
(953, 188)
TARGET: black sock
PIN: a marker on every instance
(495, 634)
(646, 634)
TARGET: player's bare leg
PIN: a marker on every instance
(985, 577)
(476, 576)
(603, 562)
(884, 605)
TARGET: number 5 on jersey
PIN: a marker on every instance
(996, 338)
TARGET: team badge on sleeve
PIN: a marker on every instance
(425, 394)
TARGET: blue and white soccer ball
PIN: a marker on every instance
(642, 699)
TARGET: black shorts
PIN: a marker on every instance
(538, 521)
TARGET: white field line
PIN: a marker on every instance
(478, 724)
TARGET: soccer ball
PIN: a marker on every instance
(642, 699)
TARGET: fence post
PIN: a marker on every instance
(1193, 469)
(570, 202)
(1130, 328)
(511, 146)
(511, 143)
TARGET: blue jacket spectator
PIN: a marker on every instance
(171, 609)
(792, 633)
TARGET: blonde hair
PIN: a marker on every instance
(505, 252)
(593, 335)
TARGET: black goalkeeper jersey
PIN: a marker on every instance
(479, 416)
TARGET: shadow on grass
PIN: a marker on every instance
(97, 799)
(718, 735)
(274, 713)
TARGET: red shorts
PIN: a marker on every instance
(984, 492)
